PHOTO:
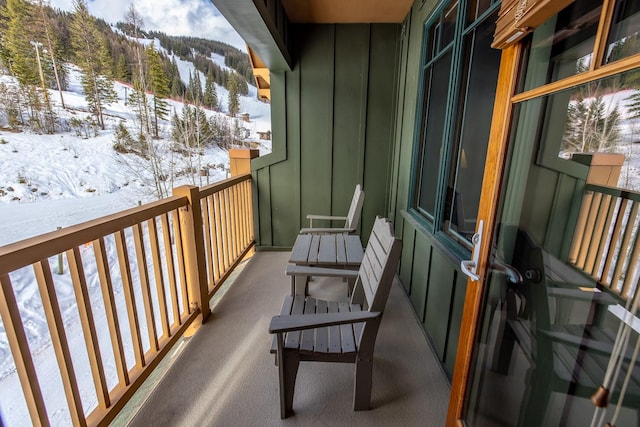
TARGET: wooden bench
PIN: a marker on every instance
(309, 329)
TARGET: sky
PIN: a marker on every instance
(197, 18)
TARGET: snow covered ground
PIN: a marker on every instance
(50, 181)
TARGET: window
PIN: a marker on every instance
(458, 79)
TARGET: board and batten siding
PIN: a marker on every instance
(333, 120)
(429, 271)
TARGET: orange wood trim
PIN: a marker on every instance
(19, 345)
(494, 166)
(29, 251)
(171, 270)
(83, 300)
(152, 229)
(604, 26)
(108, 296)
(182, 270)
(206, 215)
(129, 297)
(145, 287)
(59, 340)
(626, 64)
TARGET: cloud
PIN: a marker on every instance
(197, 18)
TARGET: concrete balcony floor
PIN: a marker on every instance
(225, 376)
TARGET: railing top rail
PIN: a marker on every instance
(614, 191)
(221, 185)
(26, 252)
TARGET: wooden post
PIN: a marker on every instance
(240, 160)
(193, 247)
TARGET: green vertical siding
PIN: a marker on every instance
(406, 262)
(420, 277)
(437, 287)
(333, 118)
(438, 305)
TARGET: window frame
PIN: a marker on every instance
(436, 223)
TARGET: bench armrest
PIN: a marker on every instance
(300, 270)
(299, 322)
(326, 230)
(329, 217)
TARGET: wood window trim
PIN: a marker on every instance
(518, 18)
(617, 67)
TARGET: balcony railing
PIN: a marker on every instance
(606, 242)
(153, 269)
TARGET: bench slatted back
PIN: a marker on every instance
(355, 209)
(379, 264)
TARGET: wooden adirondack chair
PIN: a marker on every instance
(326, 331)
(351, 221)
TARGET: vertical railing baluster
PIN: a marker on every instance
(243, 216)
(145, 286)
(182, 269)
(83, 301)
(106, 286)
(59, 340)
(129, 298)
(228, 230)
(581, 222)
(598, 238)
(171, 269)
(219, 233)
(207, 242)
(632, 261)
(234, 223)
(159, 277)
(625, 244)
(214, 239)
(19, 345)
(589, 229)
(613, 242)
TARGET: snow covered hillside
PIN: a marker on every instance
(50, 181)
(38, 169)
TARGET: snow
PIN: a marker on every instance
(50, 181)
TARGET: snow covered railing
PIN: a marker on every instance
(133, 283)
(606, 243)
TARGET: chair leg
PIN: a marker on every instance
(362, 386)
(287, 370)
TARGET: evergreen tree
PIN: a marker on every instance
(234, 99)
(197, 88)
(48, 38)
(20, 53)
(122, 69)
(93, 59)
(17, 52)
(139, 97)
(210, 93)
(159, 85)
(633, 105)
(177, 85)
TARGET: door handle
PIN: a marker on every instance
(470, 267)
(513, 275)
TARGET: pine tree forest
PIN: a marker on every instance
(38, 45)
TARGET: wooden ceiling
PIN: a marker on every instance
(347, 11)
